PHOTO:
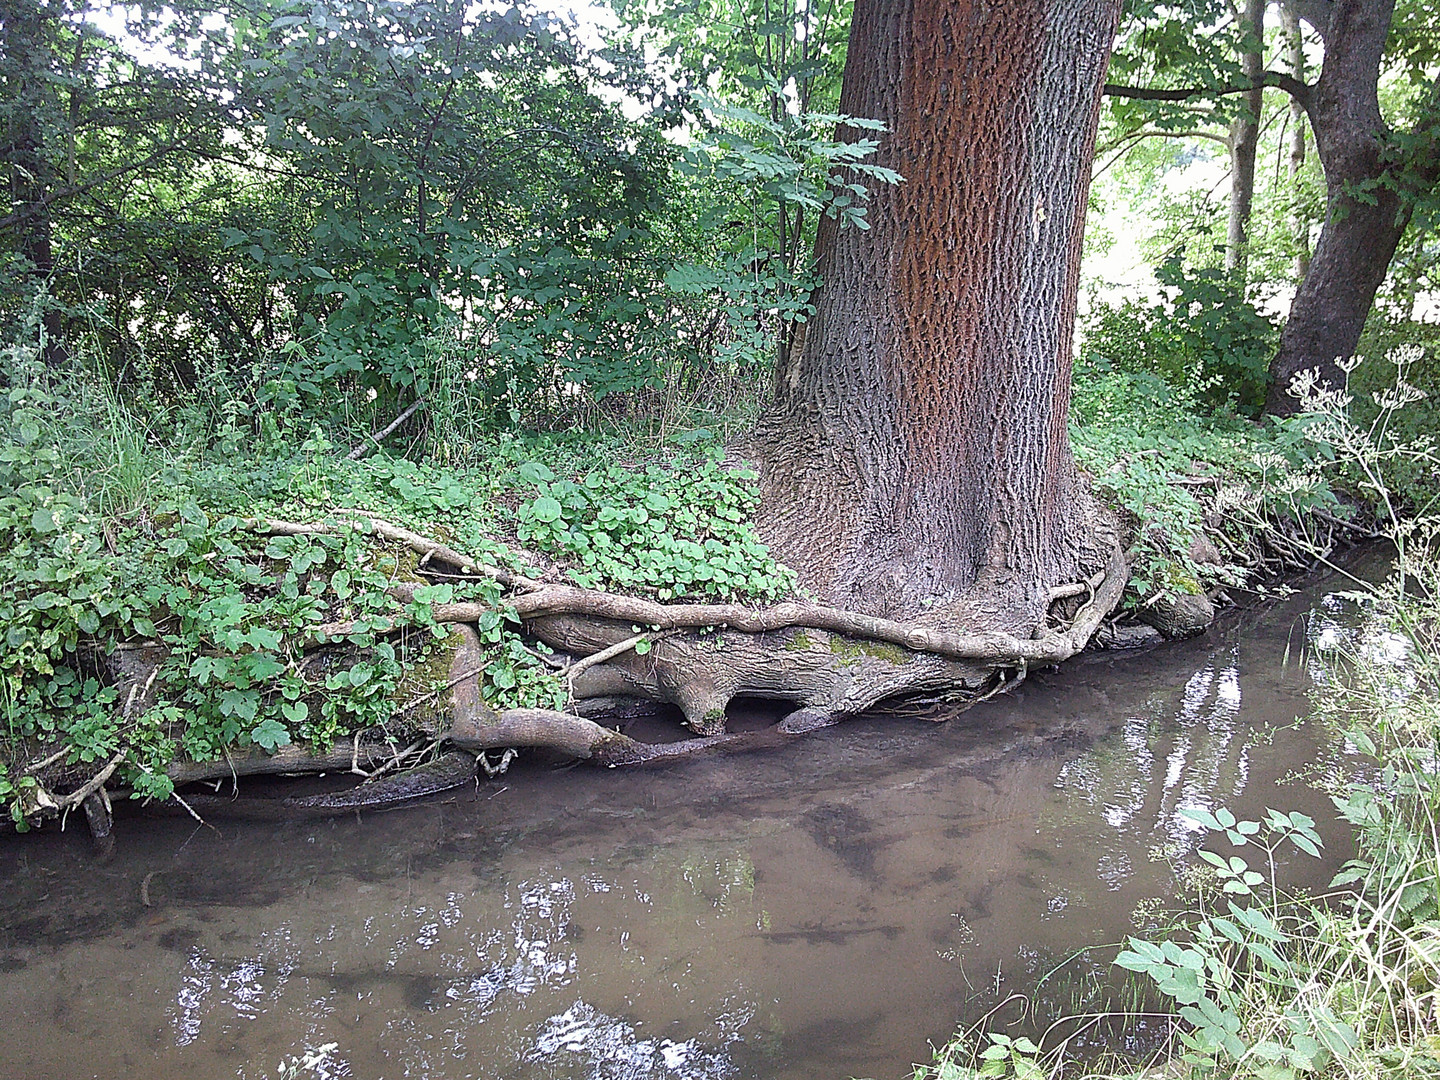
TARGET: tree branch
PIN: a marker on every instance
(1277, 80)
(359, 451)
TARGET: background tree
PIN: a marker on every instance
(86, 127)
(1377, 173)
(760, 82)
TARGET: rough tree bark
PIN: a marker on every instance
(1360, 234)
(1244, 139)
(916, 462)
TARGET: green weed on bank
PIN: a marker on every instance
(1176, 471)
(113, 539)
(1265, 984)
(1268, 985)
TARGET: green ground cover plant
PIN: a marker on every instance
(1176, 470)
(112, 539)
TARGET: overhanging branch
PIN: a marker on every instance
(1277, 80)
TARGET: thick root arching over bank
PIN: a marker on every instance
(823, 663)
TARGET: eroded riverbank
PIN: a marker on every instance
(825, 910)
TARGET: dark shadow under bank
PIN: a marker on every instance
(822, 910)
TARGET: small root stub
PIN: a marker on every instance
(98, 815)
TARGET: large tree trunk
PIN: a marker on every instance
(1244, 138)
(916, 461)
(1360, 235)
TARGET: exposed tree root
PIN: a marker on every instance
(421, 545)
(826, 662)
(1105, 587)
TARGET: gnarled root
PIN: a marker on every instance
(827, 663)
(474, 726)
(826, 674)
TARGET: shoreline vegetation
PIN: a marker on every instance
(192, 586)
(1252, 979)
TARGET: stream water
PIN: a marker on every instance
(826, 910)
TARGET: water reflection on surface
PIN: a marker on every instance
(826, 910)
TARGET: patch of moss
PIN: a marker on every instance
(1179, 579)
(799, 642)
(850, 649)
(423, 673)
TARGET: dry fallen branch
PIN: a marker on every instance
(571, 671)
(45, 763)
(421, 545)
(85, 790)
(359, 450)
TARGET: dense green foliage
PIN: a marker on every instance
(115, 541)
(1175, 470)
(1203, 337)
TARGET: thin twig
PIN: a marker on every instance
(36, 766)
(423, 698)
(421, 545)
(189, 809)
(394, 763)
(80, 794)
(359, 450)
(610, 652)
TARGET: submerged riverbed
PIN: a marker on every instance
(826, 910)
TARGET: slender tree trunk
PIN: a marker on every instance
(1360, 235)
(31, 173)
(916, 460)
(1299, 224)
(1244, 139)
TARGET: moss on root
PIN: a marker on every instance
(424, 676)
(850, 649)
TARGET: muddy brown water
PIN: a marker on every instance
(827, 910)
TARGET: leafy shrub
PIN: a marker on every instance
(1175, 472)
(1205, 339)
(95, 557)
